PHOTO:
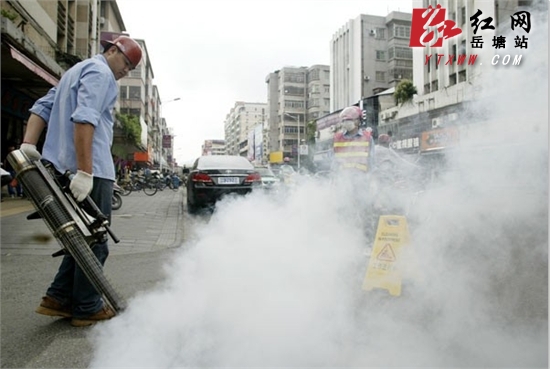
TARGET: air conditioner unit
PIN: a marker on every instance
(366, 78)
(372, 32)
(436, 122)
(102, 20)
(383, 116)
(393, 113)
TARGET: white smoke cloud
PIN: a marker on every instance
(276, 280)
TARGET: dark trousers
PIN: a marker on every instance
(71, 286)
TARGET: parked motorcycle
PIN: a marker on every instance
(117, 198)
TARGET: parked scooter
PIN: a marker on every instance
(117, 198)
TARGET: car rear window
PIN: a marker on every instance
(224, 162)
(265, 172)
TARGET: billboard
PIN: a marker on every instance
(250, 154)
(276, 157)
(258, 143)
(166, 141)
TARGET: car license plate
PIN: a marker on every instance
(228, 180)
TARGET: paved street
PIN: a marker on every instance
(151, 228)
(144, 223)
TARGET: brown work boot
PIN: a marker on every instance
(103, 314)
(51, 307)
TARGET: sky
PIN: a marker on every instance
(211, 54)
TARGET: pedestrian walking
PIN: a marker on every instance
(14, 187)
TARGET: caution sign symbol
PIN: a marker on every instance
(386, 254)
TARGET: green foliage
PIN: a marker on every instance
(8, 14)
(311, 128)
(131, 127)
(404, 92)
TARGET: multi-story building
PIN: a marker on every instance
(240, 124)
(140, 97)
(318, 91)
(213, 147)
(446, 89)
(369, 54)
(42, 39)
(295, 95)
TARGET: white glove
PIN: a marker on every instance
(30, 151)
(81, 185)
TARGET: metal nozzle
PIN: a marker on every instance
(19, 161)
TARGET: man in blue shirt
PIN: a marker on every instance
(78, 114)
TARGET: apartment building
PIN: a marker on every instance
(42, 39)
(369, 54)
(446, 89)
(213, 147)
(139, 97)
(295, 95)
(240, 125)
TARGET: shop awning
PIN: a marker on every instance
(38, 70)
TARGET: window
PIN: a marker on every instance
(462, 49)
(136, 73)
(128, 111)
(452, 79)
(314, 75)
(404, 63)
(123, 92)
(293, 129)
(401, 31)
(400, 52)
(380, 76)
(427, 88)
(462, 15)
(294, 77)
(135, 93)
(327, 89)
(381, 33)
(435, 85)
(380, 55)
(462, 76)
(294, 104)
(400, 73)
(293, 90)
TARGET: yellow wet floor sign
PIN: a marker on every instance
(383, 269)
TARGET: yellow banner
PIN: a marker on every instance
(276, 157)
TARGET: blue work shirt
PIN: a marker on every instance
(86, 93)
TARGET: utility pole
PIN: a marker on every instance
(161, 134)
(297, 120)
